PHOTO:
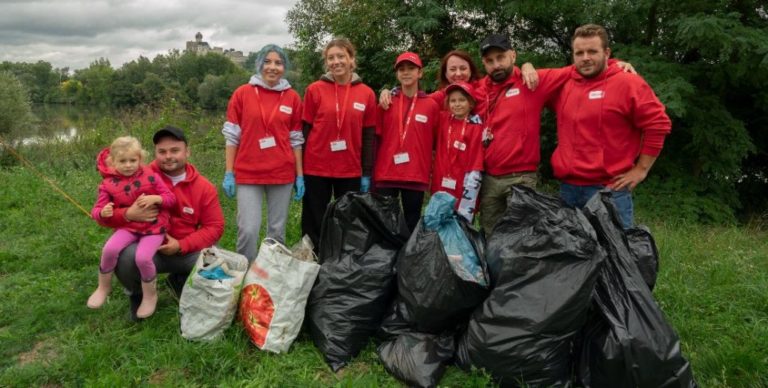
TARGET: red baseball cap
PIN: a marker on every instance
(467, 88)
(408, 57)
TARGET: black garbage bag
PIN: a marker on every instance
(627, 342)
(436, 294)
(418, 359)
(359, 242)
(643, 249)
(435, 297)
(545, 261)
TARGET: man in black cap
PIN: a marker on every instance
(197, 221)
(512, 116)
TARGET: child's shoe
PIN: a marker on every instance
(97, 299)
(149, 299)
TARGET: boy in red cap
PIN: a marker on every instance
(459, 150)
(405, 138)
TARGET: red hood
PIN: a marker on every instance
(191, 171)
(101, 164)
(610, 70)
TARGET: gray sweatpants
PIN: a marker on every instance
(249, 200)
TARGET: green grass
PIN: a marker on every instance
(713, 287)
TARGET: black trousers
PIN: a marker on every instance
(177, 266)
(318, 194)
(411, 200)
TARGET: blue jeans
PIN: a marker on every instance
(578, 196)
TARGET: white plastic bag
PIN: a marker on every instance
(207, 306)
(275, 295)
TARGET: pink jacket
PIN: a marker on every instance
(122, 191)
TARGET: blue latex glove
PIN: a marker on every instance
(299, 184)
(365, 184)
(229, 184)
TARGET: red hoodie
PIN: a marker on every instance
(197, 221)
(513, 113)
(603, 124)
(123, 190)
(402, 130)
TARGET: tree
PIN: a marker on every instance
(15, 111)
(706, 60)
(97, 83)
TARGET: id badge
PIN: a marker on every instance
(267, 142)
(338, 145)
(461, 146)
(402, 158)
(487, 137)
(449, 183)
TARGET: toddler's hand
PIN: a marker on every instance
(148, 200)
(108, 210)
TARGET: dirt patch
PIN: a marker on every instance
(164, 377)
(158, 377)
(42, 352)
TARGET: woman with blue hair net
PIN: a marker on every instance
(264, 139)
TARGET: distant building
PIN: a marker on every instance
(199, 47)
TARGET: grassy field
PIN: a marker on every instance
(713, 287)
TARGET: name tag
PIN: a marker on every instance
(402, 158)
(286, 109)
(359, 106)
(512, 92)
(267, 142)
(420, 118)
(461, 146)
(188, 210)
(596, 94)
(449, 183)
(338, 145)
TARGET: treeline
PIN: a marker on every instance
(706, 59)
(204, 81)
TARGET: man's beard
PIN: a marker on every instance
(500, 75)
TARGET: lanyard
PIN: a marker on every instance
(403, 128)
(452, 155)
(341, 113)
(490, 108)
(264, 119)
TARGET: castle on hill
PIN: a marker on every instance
(200, 47)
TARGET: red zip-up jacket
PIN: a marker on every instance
(197, 221)
(513, 113)
(603, 124)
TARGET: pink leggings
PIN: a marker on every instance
(145, 251)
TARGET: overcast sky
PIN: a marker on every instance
(75, 33)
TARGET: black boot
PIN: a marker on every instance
(176, 283)
(135, 301)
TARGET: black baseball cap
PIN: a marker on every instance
(173, 132)
(494, 40)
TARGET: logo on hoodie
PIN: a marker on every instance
(596, 94)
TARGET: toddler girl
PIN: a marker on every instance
(128, 180)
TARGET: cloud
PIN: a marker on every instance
(76, 33)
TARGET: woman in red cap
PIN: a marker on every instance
(405, 138)
(339, 121)
(459, 150)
